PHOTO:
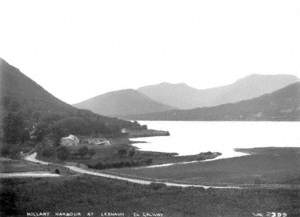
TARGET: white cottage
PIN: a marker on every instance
(98, 141)
(70, 140)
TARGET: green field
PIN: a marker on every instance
(13, 166)
(93, 194)
(264, 166)
(273, 175)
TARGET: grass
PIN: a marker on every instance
(83, 193)
(275, 167)
(93, 194)
(11, 166)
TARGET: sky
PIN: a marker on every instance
(77, 49)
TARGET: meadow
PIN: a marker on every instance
(92, 194)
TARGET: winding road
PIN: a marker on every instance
(32, 158)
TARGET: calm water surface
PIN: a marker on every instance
(195, 137)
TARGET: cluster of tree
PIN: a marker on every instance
(125, 152)
(63, 153)
(120, 164)
(14, 128)
(84, 152)
(24, 122)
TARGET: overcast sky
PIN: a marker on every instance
(79, 49)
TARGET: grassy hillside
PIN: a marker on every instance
(30, 113)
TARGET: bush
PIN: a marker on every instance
(122, 152)
(83, 151)
(157, 185)
(10, 150)
(91, 152)
(62, 153)
(14, 128)
(131, 152)
(48, 151)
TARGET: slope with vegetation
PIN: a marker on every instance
(281, 105)
(122, 103)
(31, 115)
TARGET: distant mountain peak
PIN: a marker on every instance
(280, 105)
(183, 96)
(256, 76)
(121, 103)
(166, 84)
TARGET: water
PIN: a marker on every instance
(195, 137)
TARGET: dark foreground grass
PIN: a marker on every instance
(13, 166)
(94, 194)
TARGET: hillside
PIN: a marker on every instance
(122, 103)
(177, 95)
(26, 106)
(185, 97)
(281, 105)
(17, 86)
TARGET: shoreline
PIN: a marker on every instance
(134, 175)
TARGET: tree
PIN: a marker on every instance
(83, 151)
(62, 153)
(48, 151)
(14, 128)
(122, 152)
(91, 152)
(131, 152)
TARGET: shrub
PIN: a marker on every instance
(157, 185)
(122, 152)
(48, 151)
(131, 152)
(10, 150)
(83, 151)
(62, 153)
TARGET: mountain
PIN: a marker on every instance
(183, 96)
(122, 103)
(15, 85)
(281, 105)
(25, 106)
(176, 95)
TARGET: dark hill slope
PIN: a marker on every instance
(281, 105)
(122, 103)
(22, 98)
(15, 85)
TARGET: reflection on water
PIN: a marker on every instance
(195, 137)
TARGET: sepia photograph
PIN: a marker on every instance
(161, 108)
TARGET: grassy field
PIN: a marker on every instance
(264, 166)
(92, 194)
(19, 166)
(11, 166)
(83, 193)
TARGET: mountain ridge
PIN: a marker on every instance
(183, 96)
(122, 102)
(280, 105)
